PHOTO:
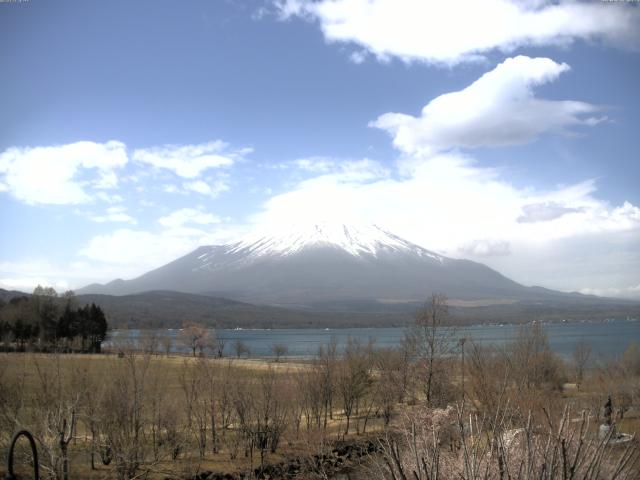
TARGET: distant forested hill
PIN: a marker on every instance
(164, 309)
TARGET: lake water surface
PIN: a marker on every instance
(606, 339)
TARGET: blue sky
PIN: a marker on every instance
(132, 132)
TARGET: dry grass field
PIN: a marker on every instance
(168, 385)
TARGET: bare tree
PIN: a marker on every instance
(263, 416)
(189, 385)
(157, 407)
(211, 387)
(149, 342)
(311, 392)
(563, 450)
(194, 336)
(202, 404)
(225, 398)
(14, 395)
(432, 338)
(88, 383)
(240, 348)
(489, 376)
(279, 350)
(534, 364)
(354, 379)
(58, 409)
(295, 390)
(167, 343)
(220, 344)
(124, 422)
(580, 357)
(212, 344)
(630, 360)
(326, 365)
(391, 367)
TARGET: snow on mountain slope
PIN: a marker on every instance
(359, 241)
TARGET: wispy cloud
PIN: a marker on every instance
(315, 164)
(185, 216)
(354, 169)
(543, 212)
(485, 248)
(211, 187)
(190, 161)
(114, 214)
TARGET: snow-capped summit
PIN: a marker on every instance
(356, 240)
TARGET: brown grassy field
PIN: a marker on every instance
(27, 375)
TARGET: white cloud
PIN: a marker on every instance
(170, 188)
(315, 164)
(457, 199)
(185, 216)
(606, 259)
(364, 169)
(358, 57)
(455, 31)
(133, 252)
(485, 248)
(60, 174)
(542, 212)
(107, 180)
(631, 292)
(27, 274)
(497, 109)
(133, 248)
(198, 186)
(109, 198)
(28, 284)
(114, 214)
(189, 161)
(211, 188)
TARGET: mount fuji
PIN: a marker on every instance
(326, 266)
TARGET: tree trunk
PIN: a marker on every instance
(429, 380)
(93, 449)
(65, 461)
(214, 433)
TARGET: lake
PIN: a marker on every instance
(607, 338)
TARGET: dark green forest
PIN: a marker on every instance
(47, 322)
